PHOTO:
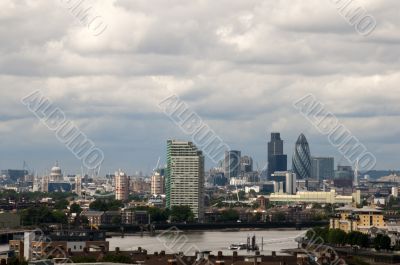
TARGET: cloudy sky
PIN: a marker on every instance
(239, 64)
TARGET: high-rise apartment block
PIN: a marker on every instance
(185, 176)
(121, 186)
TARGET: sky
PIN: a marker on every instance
(239, 65)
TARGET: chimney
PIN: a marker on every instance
(219, 257)
(117, 250)
(162, 253)
(172, 262)
(273, 253)
(234, 256)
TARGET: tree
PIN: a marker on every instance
(181, 213)
(104, 205)
(229, 215)
(337, 237)
(61, 204)
(382, 242)
(75, 208)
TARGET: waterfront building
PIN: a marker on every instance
(301, 161)
(232, 164)
(355, 219)
(277, 161)
(316, 197)
(38, 244)
(185, 176)
(322, 168)
(121, 186)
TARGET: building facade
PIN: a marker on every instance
(157, 184)
(322, 168)
(277, 161)
(121, 186)
(185, 176)
(362, 220)
(301, 161)
(232, 164)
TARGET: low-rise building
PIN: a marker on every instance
(358, 219)
(330, 197)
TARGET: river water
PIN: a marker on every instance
(189, 242)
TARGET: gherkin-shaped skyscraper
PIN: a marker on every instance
(301, 161)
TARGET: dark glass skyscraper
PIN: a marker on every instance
(277, 161)
(232, 164)
(301, 161)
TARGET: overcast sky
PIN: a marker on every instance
(239, 64)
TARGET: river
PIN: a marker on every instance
(190, 241)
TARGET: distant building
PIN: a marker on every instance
(14, 174)
(157, 184)
(246, 164)
(140, 185)
(78, 185)
(344, 176)
(56, 173)
(277, 161)
(121, 186)
(301, 161)
(322, 168)
(185, 176)
(316, 197)
(232, 164)
(288, 180)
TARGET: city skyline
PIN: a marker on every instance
(240, 72)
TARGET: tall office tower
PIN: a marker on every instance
(185, 176)
(301, 162)
(246, 164)
(232, 164)
(78, 185)
(157, 184)
(277, 161)
(121, 186)
(322, 168)
(343, 176)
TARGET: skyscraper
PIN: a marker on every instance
(232, 164)
(78, 185)
(246, 164)
(185, 176)
(301, 161)
(322, 168)
(277, 161)
(121, 186)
